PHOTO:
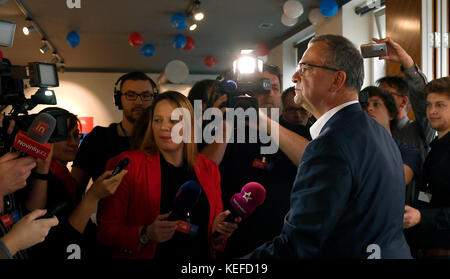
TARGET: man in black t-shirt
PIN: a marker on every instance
(133, 93)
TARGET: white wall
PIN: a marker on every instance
(358, 29)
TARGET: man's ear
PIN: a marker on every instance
(405, 101)
(339, 81)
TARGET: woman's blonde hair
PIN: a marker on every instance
(180, 101)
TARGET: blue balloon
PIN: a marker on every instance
(328, 8)
(178, 19)
(73, 39)
(182, 26)
(179, 41)
(148, 50)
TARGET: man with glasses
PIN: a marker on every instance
(133, 93)
(292, 112)
(348, 196)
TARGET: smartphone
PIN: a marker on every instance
(373, 50)
(50, 213)
(122, 164)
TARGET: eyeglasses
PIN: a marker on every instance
(145, 97)
(304, 67)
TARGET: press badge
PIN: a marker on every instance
(425, 197)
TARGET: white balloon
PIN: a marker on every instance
(315, 16)
(176, 71)
(288, 21)
(293, 8)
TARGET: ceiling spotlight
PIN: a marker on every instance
(28, 29)
(44, 48)
(199, 16)
(196, 12)
(192, 25)
(55, 58)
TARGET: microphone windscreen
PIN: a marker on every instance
(187, 196)
(251, 196)
(42, 127)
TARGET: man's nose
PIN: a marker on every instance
(295, 77)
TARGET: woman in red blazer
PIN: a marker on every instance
(134, 221)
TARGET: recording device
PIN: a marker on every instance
(243, 83)
(41, 75)
(243, 204)
(57, 209)
(35, 141)
(120, 166)
(373, 50)
(24, 123)
(186, 198)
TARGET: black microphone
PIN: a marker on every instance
(186, 198)
(244, 203)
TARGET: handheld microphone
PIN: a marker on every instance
(244, 203)
(120, 166)
(186, 198)
(35, 141)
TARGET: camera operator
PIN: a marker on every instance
(17, 235)
(237, 167)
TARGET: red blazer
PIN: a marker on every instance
(137, 202)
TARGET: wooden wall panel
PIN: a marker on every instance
(403, 23)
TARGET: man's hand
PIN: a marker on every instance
(396, 53)
(14, 172)
(28, 231)
(411, 217)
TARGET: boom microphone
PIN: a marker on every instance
(244, 203)
(35, 141)
(186, 198)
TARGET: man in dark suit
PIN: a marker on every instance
(348, 196)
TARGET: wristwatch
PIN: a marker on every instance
(143, 238)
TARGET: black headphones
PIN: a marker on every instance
(130, 76)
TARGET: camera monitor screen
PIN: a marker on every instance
(7, 30)
(47, 75)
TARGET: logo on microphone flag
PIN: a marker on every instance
(41, 128)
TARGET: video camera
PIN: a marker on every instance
(244, 83)
(41, 75)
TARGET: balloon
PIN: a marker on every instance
(293, 9)
(328, 8)
(190, 43)
(176, 71)
(73, 39)
(262, 50)
(135, 39)
(179, 41)
(315, 17)
(179, 21)
(288, 21)
(210, 61)
(148, 50)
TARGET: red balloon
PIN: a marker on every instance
(210, 61)
(190, 43)
(262, 50)
(135, 39)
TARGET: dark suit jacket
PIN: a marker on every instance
(349, 194)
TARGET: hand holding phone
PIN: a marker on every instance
(374, 50)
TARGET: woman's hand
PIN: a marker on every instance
(106, 185)
(225, 229)
(162, 230)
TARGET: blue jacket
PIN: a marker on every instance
(348, 198)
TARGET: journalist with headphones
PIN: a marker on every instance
(133, 93)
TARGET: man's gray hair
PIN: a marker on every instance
(343, 55)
